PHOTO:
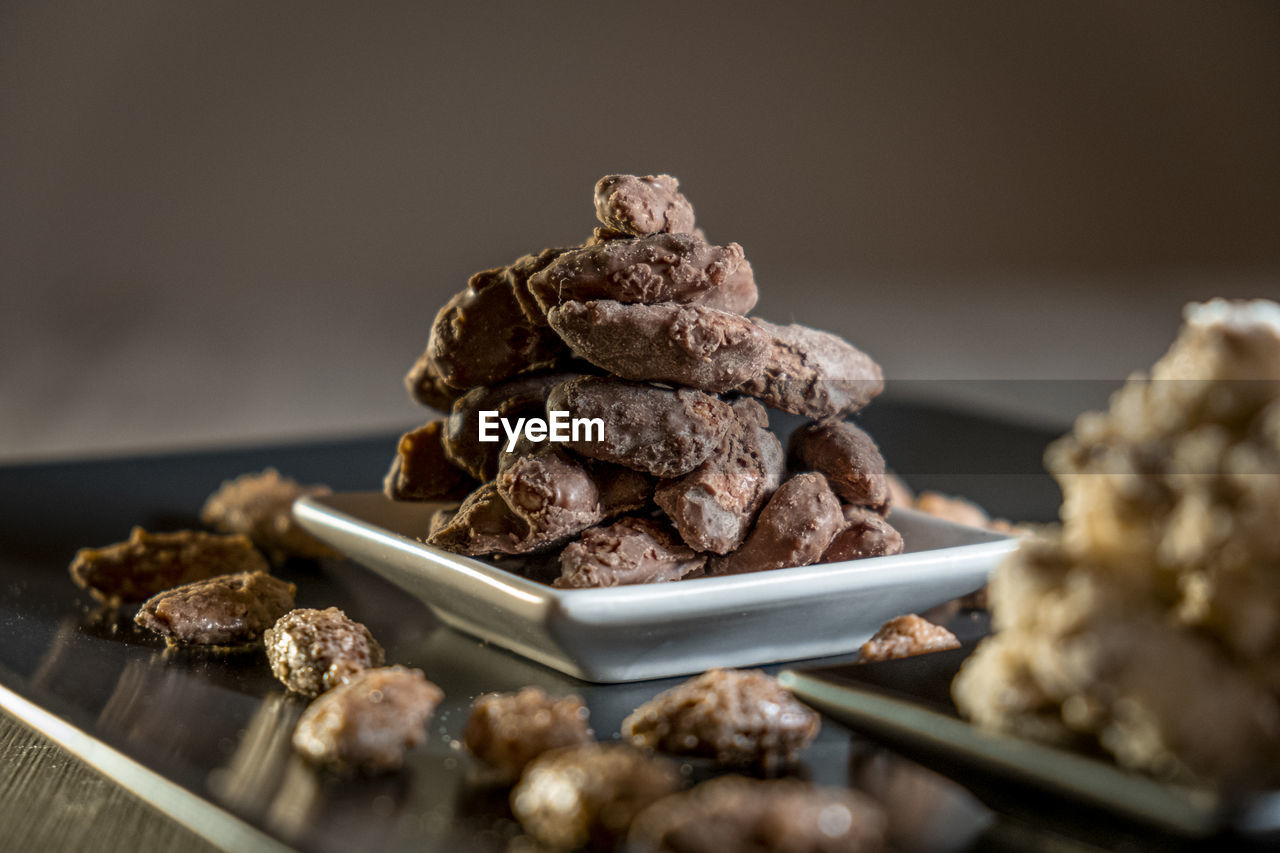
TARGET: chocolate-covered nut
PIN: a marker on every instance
(522, 397)
(486, 524)
(847, 457)
(519, 273)
(604, 235)
(865, 534)
(370, 722)
(427, 387)
(639, 206)
(261, 507)
(587, 795)
(657, 268)
(737, 717)
(660, 431)
(148, 563)
(481, 336)
(222, 611)
(483, 524)
(738, 293)
(689, 345)
(906, 636)
(439, 519)
(311, 651)
(622, 489)
(554, 493)
(737, 813)
(714, 504)
(813, 373)
(795, 528)
(629, 551)
(422, 472)
(600, 235)
(508, 730)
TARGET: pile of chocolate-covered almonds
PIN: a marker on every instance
(607, 401)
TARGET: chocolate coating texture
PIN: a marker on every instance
(508, 730)
(519, 273)
(422, 472)
(813, 373)
(847, 457)
(427, 387)
(481, 336)
(601, 234)
(737, 717)
(522, 397)
(370, 722)
(622, 489)
(690, 345)
(484, 524)
(714, 504)
(736, 813)
(554, 493)
(657, 268)
(222, 611)
(629, 551)
(660, 431)
(149, 563)
(795, 528)
(439, 519)
(649, 205)
(865, 534)
(311, 651)
(538, 501)
(587, 796)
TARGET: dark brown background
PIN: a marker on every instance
(231, 221)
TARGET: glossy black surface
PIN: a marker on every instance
(219, 725)
(925, 681)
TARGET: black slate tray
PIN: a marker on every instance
(205, 737)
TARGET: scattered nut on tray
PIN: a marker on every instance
(906, 636)
(311, 651)
(258, 505)
(642, 332)
(227, 610)
(737, 813)
(1149, 625)
(508, 730)
(369, 722)
(150, 563)
(736, 717)
(587, 795)
(961, 510)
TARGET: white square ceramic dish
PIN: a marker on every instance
(633, 633)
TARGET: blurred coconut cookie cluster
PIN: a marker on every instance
(1149, 624)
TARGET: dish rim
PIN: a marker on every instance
(683, 598)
